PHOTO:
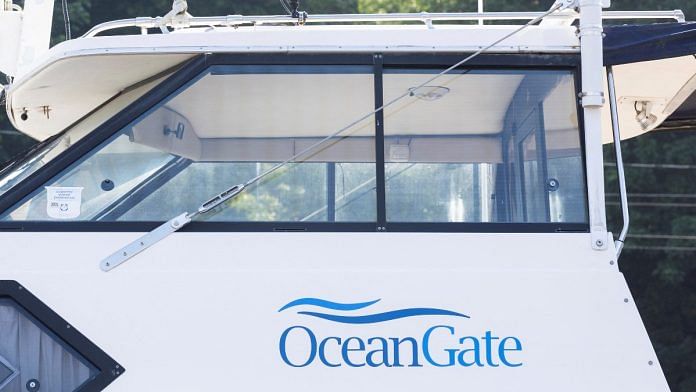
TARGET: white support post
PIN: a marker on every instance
(591, 52)
(480, 11)
(36, 32)
(10, 32)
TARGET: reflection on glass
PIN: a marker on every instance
(482, 146)
(227, 126)
(477, 146)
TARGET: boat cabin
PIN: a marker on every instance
(313, 202)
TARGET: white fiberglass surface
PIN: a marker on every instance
(198, 306)
(478, 145)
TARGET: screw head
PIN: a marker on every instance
(599, 243)
(626, 300)
(33, 385)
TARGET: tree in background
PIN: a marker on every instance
(659, 258)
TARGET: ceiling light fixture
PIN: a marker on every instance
(429, 93)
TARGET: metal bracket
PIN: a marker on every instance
(301, 16)
(178, 17)
(178, 133)
(592, 98)
(644, 114)
(565, 4)
(122, 255)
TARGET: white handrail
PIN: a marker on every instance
(623, 193)
(423, 17)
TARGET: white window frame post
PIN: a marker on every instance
(592, 98)
(36, 33)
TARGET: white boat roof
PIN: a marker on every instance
(77, 76)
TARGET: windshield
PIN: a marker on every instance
(32, 160)
(36, 157)
(483, 145)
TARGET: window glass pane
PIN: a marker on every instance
(36, 355)
(229, 125)
(298, 193)
(483, 146)
(24, 166)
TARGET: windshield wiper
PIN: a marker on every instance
(175, 224)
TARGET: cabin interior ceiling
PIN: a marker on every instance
(316, 105)
(270, 117)
(277, 105)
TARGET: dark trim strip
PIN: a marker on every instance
(309, 227)
(379, 144)
(538, 61)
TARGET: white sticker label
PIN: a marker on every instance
(63, 202)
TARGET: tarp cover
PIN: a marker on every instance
(631, 44)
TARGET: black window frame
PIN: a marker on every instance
(108, 369)
(379, 61)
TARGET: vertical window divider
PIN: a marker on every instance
(379, 142)
(543, 159)
(331, 191)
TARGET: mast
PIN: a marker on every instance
(592, 99)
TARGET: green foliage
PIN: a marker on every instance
(374, 6)
(662, 271)
(381, 6)
(366, 6)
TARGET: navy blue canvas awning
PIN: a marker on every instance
(631, 44)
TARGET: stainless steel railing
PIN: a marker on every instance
(619, 162)
(427, 18)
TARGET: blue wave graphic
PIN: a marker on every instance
(328, 304)
(387, 316)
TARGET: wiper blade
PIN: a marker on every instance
(175, 224)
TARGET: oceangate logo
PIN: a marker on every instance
(440, 345)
